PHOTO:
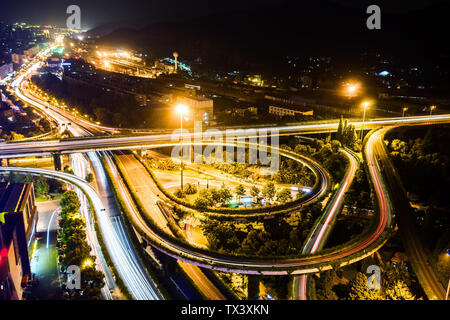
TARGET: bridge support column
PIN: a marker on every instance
(57, 161)
(253, 286)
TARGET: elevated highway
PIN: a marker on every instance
(133, 142)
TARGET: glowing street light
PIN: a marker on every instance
(87, 263)
(182, 110)
(365, 105)
(431, 109)
(351, 89)
(404, 109)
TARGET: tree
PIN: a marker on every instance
(91, 284)
(41, 186)
(240, 191)
(399, 291)
(14, 136)
(189, 188)
(225, 194)
(202, 201)
(269, 191)
(45, 124)
(179, 194)
(69, 202)
(214, 196)
(89, 177)
(284, 195)
(68, 169)
(324, 286)
(254, 192)
(360, 291)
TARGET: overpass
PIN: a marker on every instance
(133, 142)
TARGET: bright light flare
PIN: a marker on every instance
(366, 104)
(351, 89)
(181, 109)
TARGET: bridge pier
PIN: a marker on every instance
(253, 286)
(57, 161)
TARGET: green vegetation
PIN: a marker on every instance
(190, 188)
(44, 188)
(293, 172)
(334, 285)
(223, 213)
(346, 135)
(76, 251)
(89, 177)
(422, 159)
(272, 237)
(395, 284)
(358, 196)
(13, 136)
(68, 169)
(213, 197)
(325, 152)
(107, 107)
(284, 195)
(269, 191)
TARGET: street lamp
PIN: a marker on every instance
(351, 89)
(431, 109)
(87, 263)
(365, 106)
(404, 109)
(181, 109)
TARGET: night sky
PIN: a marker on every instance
(99, 12)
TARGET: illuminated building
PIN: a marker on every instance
(202, 108)
(18, 218)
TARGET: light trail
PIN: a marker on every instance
(317, 238)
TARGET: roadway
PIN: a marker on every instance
(410, 239)
(318, 236)
(66, 146)
(149, 194)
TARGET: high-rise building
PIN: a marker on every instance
(18, 218)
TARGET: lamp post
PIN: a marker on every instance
(404, 109)
(431, 109)
(365, 105)
(181, 110)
